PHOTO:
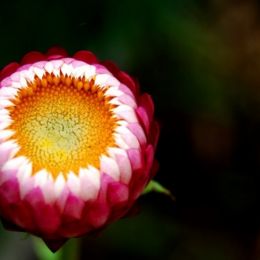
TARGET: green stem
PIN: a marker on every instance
(70, 251)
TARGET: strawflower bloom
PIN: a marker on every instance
(77, 143)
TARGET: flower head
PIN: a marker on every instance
(77, 142)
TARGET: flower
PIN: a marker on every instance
(77, 143)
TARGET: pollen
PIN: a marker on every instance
(62, 123)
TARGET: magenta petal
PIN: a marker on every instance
(55, 245)
(73, 207)
(99, 211)
(122, 76)
(155, 132)
(117, 193)
(111, 66)
(8, 70)
(127, 80)
(143, 175)
(12, 207)
(143, 117)
(9, 192)
(56, 52)
(98, 215)
(86, 56)
(149, 157)
(49, 221)
(147, 103)
(24, 67)
(22, 216)
(32, 57)
(137, 186)
(154, 169)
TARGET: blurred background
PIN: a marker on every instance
(200, 60)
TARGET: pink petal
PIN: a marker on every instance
(6, 151)
(89, 184)
(124, 168)
(137, 130)
(128, 100)
(110, 167)
(6, 82)
(100, 69)
(136, 159)
(126, 90)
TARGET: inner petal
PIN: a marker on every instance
(62, 123)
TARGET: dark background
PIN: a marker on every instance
(200, 60)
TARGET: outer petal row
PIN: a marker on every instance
(79, 215)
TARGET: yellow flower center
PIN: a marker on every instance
(62, 123)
